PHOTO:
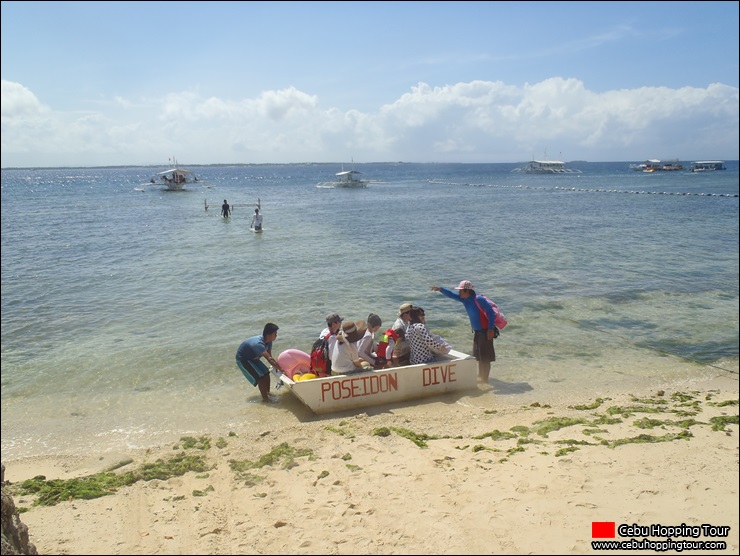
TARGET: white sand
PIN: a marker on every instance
(362, 493)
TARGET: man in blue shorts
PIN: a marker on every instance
(249, 355)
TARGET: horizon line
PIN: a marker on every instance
(308, 164)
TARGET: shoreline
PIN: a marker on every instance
(487, 481)
(144, 418)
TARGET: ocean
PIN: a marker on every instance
(122, 309)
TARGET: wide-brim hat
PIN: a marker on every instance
(354, 331)
(465, 285)
(404, 308)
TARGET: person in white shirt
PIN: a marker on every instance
(345, 357)
(256, 220)
(333, 324)
(366, 346)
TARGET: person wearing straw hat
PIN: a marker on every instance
(483, 349)
(402, 350)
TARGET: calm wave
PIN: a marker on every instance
(122, 309)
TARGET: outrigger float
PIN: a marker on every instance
(453, 372)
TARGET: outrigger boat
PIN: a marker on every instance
(174, 179)
(453, 372)
(546, 167)
(707, 165)
(346, 179)
(654, 165)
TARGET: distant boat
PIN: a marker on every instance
(707, 165)
(346, 179)
(546, 167)
(173, 179)
(654, 165)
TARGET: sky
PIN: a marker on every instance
(137, 83)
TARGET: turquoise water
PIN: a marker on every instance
(122, 309)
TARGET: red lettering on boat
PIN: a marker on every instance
(438, 375)
(354, 387)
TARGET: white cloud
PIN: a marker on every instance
(476, 121)
(19, 103)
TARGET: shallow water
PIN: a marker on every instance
(122, 309)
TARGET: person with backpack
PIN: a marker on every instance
(322, 348)
(482, 317)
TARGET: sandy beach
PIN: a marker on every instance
(446, 476)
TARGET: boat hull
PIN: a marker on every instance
(456, 372)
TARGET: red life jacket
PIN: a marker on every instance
(383, 342)
(320, 357)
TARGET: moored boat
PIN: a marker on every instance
(546, 167)
(453, 372)
(173, 179)
(707, 165)
(345, 179)
(655, 165)
(348, 179)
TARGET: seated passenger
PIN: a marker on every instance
(425, 346)
(345, 357)
(402, 349)
(333, 324)
(367, 345)
(385, 357)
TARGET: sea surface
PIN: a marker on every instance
(122, 308)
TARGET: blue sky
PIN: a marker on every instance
(128, 83)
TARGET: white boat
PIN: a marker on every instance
(174, 179)
(454, 372)
(546, 167)
(707, 165)
(655, 165)
(347, 179)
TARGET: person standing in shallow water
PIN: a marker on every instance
(483, 349)
(225, 209)
(249, 355)
(256, 220)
